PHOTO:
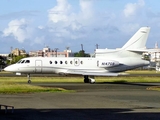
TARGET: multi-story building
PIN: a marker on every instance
(18, 52)
(47, 52)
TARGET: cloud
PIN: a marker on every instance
(76, 30)
(131, 9)
(59, 12)
(18, 29)
(68, 24)
(80, 22)
(86, 9)
(16, 15)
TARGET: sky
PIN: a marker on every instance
(34, 24)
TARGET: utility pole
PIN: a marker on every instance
(82, 47)
(97, 46)
(82, 50)
(56, 51)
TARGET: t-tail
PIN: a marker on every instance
(138, 40)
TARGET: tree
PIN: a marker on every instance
(81, 53)
(15, 58)
(2, 62)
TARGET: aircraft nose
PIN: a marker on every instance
(6, 69)
(10, 68)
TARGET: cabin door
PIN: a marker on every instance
(38, 66)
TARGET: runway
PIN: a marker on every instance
(105, 101)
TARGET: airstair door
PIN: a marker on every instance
(38, 66)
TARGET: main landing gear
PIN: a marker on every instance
(29, 81)
(89, 80)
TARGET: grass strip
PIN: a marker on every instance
(154, 88)
(121, 79)
(140, 79)
(14, 88)
(143, 72)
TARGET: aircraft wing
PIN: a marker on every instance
(100, 74)
(92, 73)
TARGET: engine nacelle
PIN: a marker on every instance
(109, 63)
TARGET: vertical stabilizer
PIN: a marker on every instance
(138, 40)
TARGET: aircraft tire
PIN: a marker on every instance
(29, 81)
(86, 80)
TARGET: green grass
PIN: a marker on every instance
(142, 72)
(154, 88)
(41, 79)
(141, 79)
(18, 84)
(80, 79)
(14, 88)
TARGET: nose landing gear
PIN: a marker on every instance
(29, 81)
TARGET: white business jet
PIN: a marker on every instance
(105, 63)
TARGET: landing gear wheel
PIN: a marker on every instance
(29, 81)
(86, 79)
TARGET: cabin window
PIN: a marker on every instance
(56, 62)
(70, 62)
(65, 62)
(81, 62)
(50, 62)
(61, 62)
(27, 61)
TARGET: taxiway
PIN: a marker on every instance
(105, 101)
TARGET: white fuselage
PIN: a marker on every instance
(76, 65)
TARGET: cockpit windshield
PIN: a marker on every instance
(23, 61)
(19, 61)
(27, 61)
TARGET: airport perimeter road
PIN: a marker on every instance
(103, 101)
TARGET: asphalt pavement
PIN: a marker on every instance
(105, 101)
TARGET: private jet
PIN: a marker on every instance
(107, 62)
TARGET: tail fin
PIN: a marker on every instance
(138, 40)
